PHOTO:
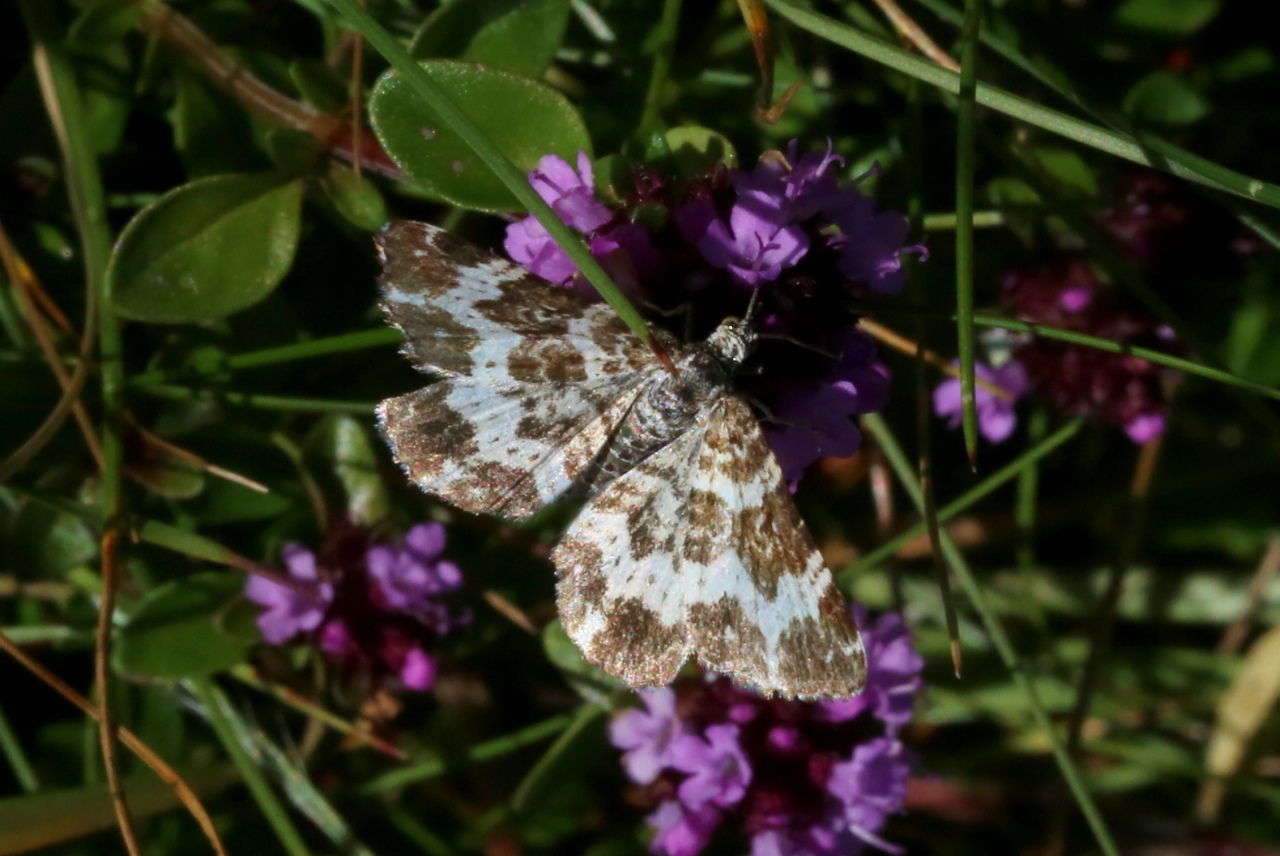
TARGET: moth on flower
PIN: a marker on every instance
(688, 544)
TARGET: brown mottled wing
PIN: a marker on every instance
(467, 312)
(700, 551)
(505, 450)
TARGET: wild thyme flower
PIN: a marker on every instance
(996, 416)
(380, 607)
(1117, 388)
(696, 249)
(288, 612)
(793, 777)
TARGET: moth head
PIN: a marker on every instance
(732, 341)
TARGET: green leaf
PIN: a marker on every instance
(1165, 98)
(96, 41)
(210, 132)
(42, 542)
(524, 119)
(521, 36)
(695, 149)
(1069, 169)
(356, 199)
(343, 443)
(178, 630)
(1171, 18)
(206, 249)
(592, 684)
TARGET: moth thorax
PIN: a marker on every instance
(731, 343)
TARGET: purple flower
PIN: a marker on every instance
(290, 612)
(381, 614)
(815, 419)
(572, 195)
(1144, 427)
(756, 244)
(1117, 388)
(718, 770)
(996, 415)
(623, 249)
(413, 577)
(796, 777)
(871, 246)
(893, 673)
(647, 735)
(681, 831)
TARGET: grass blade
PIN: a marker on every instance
(964, 225)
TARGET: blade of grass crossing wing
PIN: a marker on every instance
(453, 116)
(1004, 646)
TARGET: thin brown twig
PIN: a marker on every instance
(912, 33)
(107, 732)
(1233, 637)
(69, 403)
(904, 345)
(131, 741)
(314, 711)
(510, 611)
(180, 34)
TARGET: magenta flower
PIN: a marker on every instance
(718, 770)
(646, 736)
(623, 249)
(1116, 388)
(893, 673)
(288, 612)
(816, 419)
(795, 777)
(996, 416)
(381, 609)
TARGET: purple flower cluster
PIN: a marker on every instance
(1066, 293)
(787, 231)
(372, 609)
(1119, 389)
(796, 778)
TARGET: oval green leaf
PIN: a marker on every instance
(206, 249)
(520, 36)
(523, 118)
(343, 444)
(1165, 98)
(178, 630)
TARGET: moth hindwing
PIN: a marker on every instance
(688, 544)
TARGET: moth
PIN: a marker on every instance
(688, 543)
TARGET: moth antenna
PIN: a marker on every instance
(784, 337)
(753, 305)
